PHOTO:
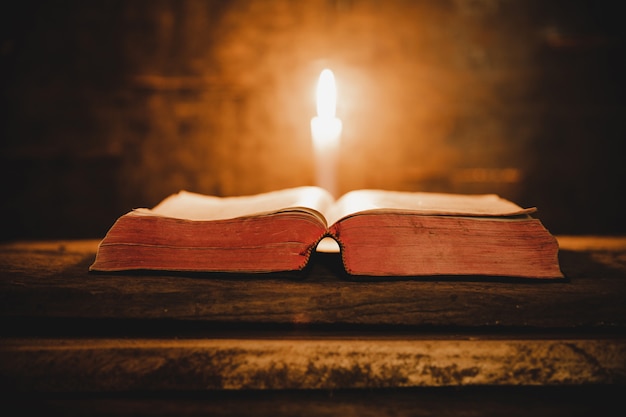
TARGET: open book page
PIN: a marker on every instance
(193, 206)
(424, 203)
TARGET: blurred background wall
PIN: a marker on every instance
(110, 105)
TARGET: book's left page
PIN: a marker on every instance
(267, 232)
(193, 206)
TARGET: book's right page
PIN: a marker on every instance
(390, 233)
(483, 205)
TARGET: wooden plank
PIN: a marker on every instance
(48, 280)
(58, 365)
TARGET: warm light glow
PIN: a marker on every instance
(326, 95)
(326, 131)
(326, 128)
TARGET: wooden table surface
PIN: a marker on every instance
(68, 332)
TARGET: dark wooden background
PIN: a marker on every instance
(110, 105)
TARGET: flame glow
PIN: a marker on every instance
(326, 95)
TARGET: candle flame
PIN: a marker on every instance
(326, 95)
(326, 131)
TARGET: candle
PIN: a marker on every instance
(326, 131)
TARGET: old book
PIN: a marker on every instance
(379, 233)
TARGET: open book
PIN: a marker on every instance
(380, 233)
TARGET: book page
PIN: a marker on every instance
(424, 203)
(193, 206)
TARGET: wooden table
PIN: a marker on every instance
(310, 341)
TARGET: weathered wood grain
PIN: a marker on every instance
(49, 280)
(67, 330)
(326, 363)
